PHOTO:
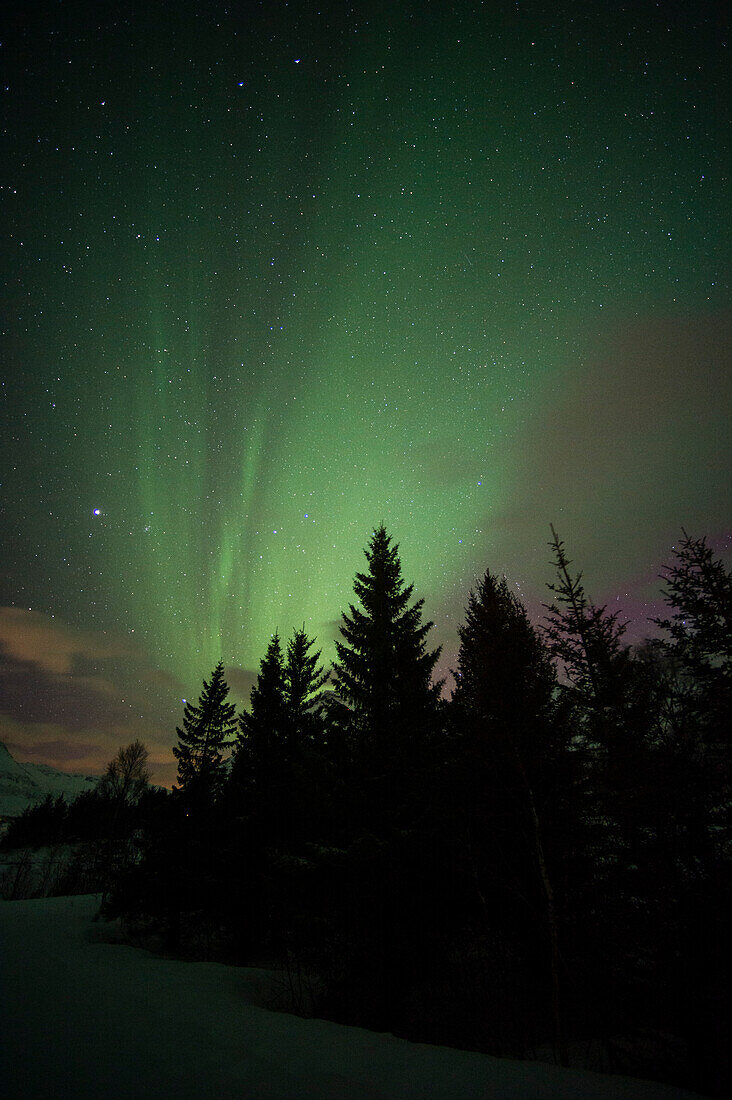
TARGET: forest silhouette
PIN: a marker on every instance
(539, 861)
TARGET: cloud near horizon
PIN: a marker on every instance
(69, 698)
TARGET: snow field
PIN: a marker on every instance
(88, 1019)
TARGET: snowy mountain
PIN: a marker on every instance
(23, 785)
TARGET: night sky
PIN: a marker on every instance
(272, 275)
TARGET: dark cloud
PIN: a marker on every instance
(30, 692)
(241, 681)
(617, 461)
(56, 752)
(162, 679)
(51, 644)
(57, 682)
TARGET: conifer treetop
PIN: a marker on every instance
(383, 655)
(207, 729)
(586, 639)
(699, 595)
(498, 644)
(304, 678)
(267, 711)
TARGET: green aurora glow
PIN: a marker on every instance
(275, 278)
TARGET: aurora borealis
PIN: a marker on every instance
(272, 276)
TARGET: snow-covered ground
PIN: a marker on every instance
(82, 1018)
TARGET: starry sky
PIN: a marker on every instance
(275, 273)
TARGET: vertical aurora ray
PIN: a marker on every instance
(193, 566)
(171, 472)
(232, 573)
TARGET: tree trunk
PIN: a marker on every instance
(551, 918)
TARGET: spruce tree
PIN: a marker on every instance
(271, 790)
(606, 689)
(611, 700)
(304, 681)
(264, 728)
(699, 649)
(382, 676)
(699, 596)
(378, 862)
(504, 672)
(207, 730)
(516, 762)
(585, 639)
(698, 646)
(697, 796)
(283, 715)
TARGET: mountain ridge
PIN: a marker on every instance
(24, 785)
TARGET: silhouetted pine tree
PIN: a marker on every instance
(601, 681)
(195, 888)
(518, 776)
(615, 715)
(699, 596)
(505, 675)
(259, 805)
(694, 799)
(310, 775)
(281, 724)
(377, 869)
(698, 652)
(585, 639)
(382, 676)
(207, 730)
(304, 683)
(265, 732)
